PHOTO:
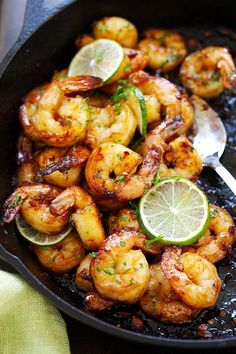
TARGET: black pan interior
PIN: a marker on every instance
(50, 48)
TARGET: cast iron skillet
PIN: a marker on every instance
(46, 43)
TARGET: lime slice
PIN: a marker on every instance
(174, 212)
(39, 238)
(100, 58)
(137, 102)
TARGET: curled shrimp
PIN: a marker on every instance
(126, 217)
(160, 300)
(192, 277)
(111, 171)
(50, 116)
(166, 49)
(119, 270)
(59, 166)
(181, 159)
(218, 239)
(163, 99)
(33, 203)
(113, 123)
(117, 28)
(62, 167)
(86, 218)
(207, 72)
(63, 256)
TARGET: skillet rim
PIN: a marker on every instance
(63, 305)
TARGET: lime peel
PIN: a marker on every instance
(174, 212)
(39, 238)
(101, 58)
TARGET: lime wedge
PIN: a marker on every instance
(39, 238)
(174, 212)
(101, 58)
(137, 103)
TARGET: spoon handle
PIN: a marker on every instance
(225, 175)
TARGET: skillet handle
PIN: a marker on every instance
(38, 12)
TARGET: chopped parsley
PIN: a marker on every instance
(71, 219)
(131, 282)
(157, 178)
(108, 271)
(118, 95)
(16, 201)
(92, 254)
(174, 58)
(154, 239)
(120, 179)
(124, 218)
(127, 68)
(99, 175)
(102, 28)
(117, 109)
(164, 63)
(122, 243)
(119, 157)
(214, 212)
(122, 82)
(68, 122)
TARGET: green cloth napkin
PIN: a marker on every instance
(29, 324)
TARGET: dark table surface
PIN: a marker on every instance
(83, 339)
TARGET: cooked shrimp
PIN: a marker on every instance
(181, 159)
(83, 279)
(113, 123)
(160, 301)
(94, 302)
(163, 99)
(217, 241)
(207, 72)
(33, 203)
(117, 28)
(192, 277)
(105, 203)
(26, 168)
(86, 218)
(63, 256)
(111, 171)
(58, 166)
(119, 271)
(49, 115)
(133, 61)
(84, 39)
(62, 167)
(124, 218)
(166, 49)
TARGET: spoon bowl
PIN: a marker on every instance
(210, 139)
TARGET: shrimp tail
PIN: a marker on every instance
(171, 128)
(24, 150)
(61, 203)
(76, 157)
(11, 207)
(80, 83)
(150, 164)
(94, 302)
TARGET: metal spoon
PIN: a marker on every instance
(210, 139)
